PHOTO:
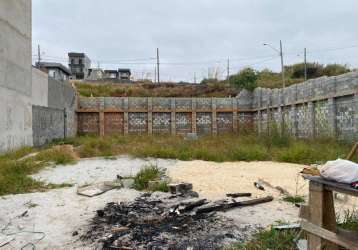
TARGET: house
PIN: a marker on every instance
(111, 74)
(79, 64)
(55, 70)
(95, 74)
(124, 74)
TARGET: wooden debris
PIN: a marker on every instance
(229, 205)
(237, 195)
(119, 229)
(259, 185)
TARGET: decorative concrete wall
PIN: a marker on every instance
(108, 115)
(323, 107)
(15, 74)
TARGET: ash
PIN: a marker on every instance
(161, 221)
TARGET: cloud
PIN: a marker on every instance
(195, 34)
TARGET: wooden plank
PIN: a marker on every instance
(316, 213)
(328, 235)
(334, 186)
(353, 151)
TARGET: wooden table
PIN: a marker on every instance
(319, 219)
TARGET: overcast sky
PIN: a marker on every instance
(196, 35)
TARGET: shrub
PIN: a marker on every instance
(250, 153)
(58, 156)
(294, 199)
(245, 79)
(145, 175)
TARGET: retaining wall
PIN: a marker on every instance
(326, 106)
(107, 115)
(323, 107)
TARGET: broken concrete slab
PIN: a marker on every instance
(99, 188)
(180, 188)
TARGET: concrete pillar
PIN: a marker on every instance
(193, 115)
(311, 118)
(293, 118)
(332, 117)
(173, 116)
(101, 117)
(214, 117)
(259, 119)
(126, 116)
(355, 102)
(234, 115)
(150, 115)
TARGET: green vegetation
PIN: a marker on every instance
(269, 239)
(245, 79)
(215, 148)
(294, 199)
(149, 178)
(14, 171)
(349, 221)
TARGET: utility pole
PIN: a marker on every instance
(282, 66)
(228, 69)
(194, 77)
(38, 55)
(155, 74)
(305, 59)
(158, 62)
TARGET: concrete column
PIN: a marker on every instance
(293, 118)
(332, 117)
(355, 102)
(150, 115)
(101, 117)
(214, 117)
(193, 115)
(126, 116)
(311, 117)
(173, 117)
(234, 115)
(259, 119)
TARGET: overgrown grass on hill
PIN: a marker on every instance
(214, 148)
(156, 90)
(14, 172)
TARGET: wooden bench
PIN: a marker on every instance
(319, 218)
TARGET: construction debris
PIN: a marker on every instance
(237, 195)
(158, 221)
(99, 188)
(259, 185)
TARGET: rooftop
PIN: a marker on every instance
(54, 65)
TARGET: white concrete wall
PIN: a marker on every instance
(39, 88)
(15, 74)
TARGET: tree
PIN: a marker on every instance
(245, 79)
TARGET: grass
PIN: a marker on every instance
(217, 149)
(349, 221)
(149, 178)
(14, 173)
(294, 199)
(269, 239)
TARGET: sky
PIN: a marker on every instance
(196, 38)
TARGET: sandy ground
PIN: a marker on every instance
(215, 180)
(59, 213)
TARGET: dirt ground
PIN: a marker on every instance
(57, 214)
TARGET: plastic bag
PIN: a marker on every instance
(340, 171)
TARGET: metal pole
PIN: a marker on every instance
(39, 55)
(158, 76)
(194, 77)
(282, 66)
(305, 56)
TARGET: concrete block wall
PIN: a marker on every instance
(15, 74)
(322, 107)
(108, 115)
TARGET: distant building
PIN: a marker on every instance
(124, 74)
(55, 70)
(95, 74)
(111, 74)
(79, 64)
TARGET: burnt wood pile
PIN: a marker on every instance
(164, 221)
